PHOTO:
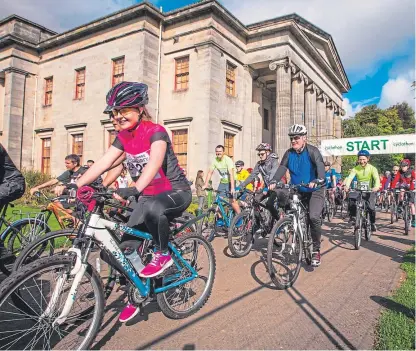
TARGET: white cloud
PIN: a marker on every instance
(398, 89)
(365, 32)
(61, 15)
(351, 108)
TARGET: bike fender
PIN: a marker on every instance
(19, 222)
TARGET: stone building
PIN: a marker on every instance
(212, 80)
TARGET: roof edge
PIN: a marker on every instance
(22, 19)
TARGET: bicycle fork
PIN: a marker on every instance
(78, 272)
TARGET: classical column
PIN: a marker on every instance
(283, 84)
(298, 98)
(310, 110)
(329, 121)
(257, 121)
(320, 116)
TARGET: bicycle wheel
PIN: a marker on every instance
(367, 228)
(41, 290)
(206, 226)
(393, 210)
(406, 217)
(240, 234)
(330, 213)
(358, 230)
(284, 254)
(58, 243)
(186, 299)
(21, 233)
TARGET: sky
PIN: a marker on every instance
(374, 38)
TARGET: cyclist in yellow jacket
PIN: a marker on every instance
(242, 174)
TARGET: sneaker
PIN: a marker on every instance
(159, 263)
(373, 227)
(220, 223)
(316, 259)
(129, 312)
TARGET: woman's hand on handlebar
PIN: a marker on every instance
(125, 193)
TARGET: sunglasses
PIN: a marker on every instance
(261, 154)
(297, 137)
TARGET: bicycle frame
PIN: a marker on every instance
(98, 228)
(220, 202)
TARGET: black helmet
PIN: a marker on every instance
(327, 164)
(239, 163)
(126, 94)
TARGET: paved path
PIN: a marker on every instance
(332, 307)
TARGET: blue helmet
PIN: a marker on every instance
(363, 153)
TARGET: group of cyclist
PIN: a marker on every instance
(161, 191)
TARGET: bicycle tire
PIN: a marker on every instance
(283, 283)
(406, 217)
(393, 209)
(358, 230)
(25, 257)
(12, 284)
(367, 229)
(207, 225)
(249, 236)
(161, 298)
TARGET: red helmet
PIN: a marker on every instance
(405, 162)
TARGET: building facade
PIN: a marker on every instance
(212, 80)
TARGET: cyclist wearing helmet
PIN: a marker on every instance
(242, 174)
(153, 166)
(405, 179)
(331, 180)
(367, 178)
(306, 165)
(266, 167)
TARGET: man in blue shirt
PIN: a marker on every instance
(306, 165)
(330, 180)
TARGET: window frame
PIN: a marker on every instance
(230, 77)
(182, 74)
(115, 76)
(74, 143)
(48, 93)
(226, 145)
(181, 154)
(78, 84)
(43, 157)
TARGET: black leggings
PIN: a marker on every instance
(155, 212)
(272, 196)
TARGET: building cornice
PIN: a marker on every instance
(231, 124)
(178, 120)
(44, 130)
(76, 125)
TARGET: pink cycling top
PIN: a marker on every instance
(136, 144)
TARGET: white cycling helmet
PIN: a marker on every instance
(297, 129)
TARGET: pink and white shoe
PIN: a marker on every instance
(159, 263)
(129, 312)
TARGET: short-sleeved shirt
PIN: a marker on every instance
(242, 176)
(224, 167)
(328, 178)
(136, 144)
(69, 177)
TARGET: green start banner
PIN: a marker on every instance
(385, 144)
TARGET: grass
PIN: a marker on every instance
(396, 328)
(21, 212)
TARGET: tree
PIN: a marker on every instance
(406, 114)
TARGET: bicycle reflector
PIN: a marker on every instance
(84, 195)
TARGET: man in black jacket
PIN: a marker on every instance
(306, 165)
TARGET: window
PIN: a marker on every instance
(229, 144)
(80, 84)
(180, 146)
(46, 156)
(111, 137)
(48, 91)
(266, 119)
(78, 145)
(118, 70)
(181, 73)
(230, 79)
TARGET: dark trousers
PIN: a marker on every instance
(370, 197)
(271, 198)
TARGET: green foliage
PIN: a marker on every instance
(33, 178)
(373, 121)
(396, 328)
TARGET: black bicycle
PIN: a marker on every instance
(255, 218)
(362, 219)
(407, 217)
